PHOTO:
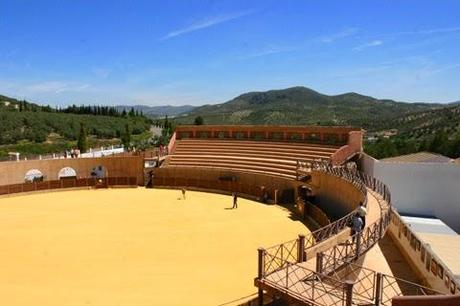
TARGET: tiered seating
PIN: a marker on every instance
(275, 158)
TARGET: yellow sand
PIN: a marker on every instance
(133, 247)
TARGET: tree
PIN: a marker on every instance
(199, 120)
(126, 137)
(82, 143)
(454, 147)
(440, 143)
(131, 112)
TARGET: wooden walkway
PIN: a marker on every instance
(301, 283)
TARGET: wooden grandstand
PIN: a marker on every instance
(268, 150)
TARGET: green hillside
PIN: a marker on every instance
(414, 126)
(303, 106)
(33, 129)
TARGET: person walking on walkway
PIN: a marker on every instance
(235, 200)
(356, 226)
(362, 212)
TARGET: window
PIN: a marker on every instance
(440, 271)
(434, 267)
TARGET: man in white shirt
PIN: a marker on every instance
(362, 212)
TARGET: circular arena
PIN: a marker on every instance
(133, 246)
(180, 241)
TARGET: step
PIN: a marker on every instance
(288, 176)
(256, 145)
(235, 158)
(272, 155)
(245, 163)
(233, 166)
(271, 143)
(249, 149)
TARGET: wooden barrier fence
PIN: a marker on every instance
(67, 183)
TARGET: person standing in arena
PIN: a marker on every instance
(235, 200)
(183, 193)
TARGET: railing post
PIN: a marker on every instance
(300, 248)
(260, 274)
(287, 275)
(348, 293)
(378, 289)
(358, 244)
(319, 262)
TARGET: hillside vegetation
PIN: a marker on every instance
(29, 128)
(303, 106)
(415, 126)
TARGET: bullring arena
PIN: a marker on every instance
(84, 232)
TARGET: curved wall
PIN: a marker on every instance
(127, 166)
(334, 195)
(221, 180)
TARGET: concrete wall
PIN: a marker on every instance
(366, 164)
(335, 196)
(426, 189)
(14, 172)
(422, 258)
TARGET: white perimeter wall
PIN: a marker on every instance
(428, 189)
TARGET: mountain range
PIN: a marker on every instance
(157, 111)
(304, 106)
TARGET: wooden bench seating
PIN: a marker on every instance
(273, 158)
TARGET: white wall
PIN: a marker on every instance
(412, 247)
(428, 189)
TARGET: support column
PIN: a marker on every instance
(319, 262)
(260, 274)
(358, 244)
(301, 248)
(378, 289)
(348, 293)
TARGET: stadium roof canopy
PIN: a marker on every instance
(420, 157)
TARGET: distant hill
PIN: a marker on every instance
(427, 122)
(303, 106)
(158, 111)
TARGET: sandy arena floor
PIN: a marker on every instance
(133, 247)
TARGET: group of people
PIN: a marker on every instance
(74, 153)
(162, 151)
(358, 222)
(234, 196)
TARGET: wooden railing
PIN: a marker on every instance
(68, 183)
(292, 253)
(331, 135)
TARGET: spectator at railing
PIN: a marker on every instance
(362, 211)
(356, 225)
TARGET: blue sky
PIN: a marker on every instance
(196, 52)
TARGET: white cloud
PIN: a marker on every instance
(370, 44)
(55, 87)
(268, 51)
(339, 35)
(203, 24)
(425, 32)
